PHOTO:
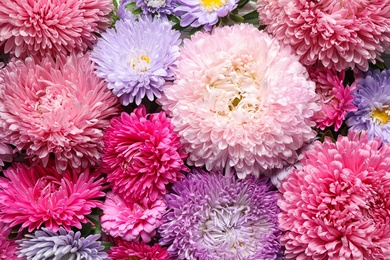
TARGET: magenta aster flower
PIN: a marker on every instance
(337, 207)
(372, 99)
(7, 247)
(137, 250)
(39, 196)
(339, 34)
(335, 98)
(216, 217)
(137, 57)
(131, 220)
(142, 155)
(51, 27)
(246, 106)
(203, 12)
(55, 109)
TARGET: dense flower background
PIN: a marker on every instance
(194, 129)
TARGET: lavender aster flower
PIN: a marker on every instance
(372, 99)
(137, 57)
(123, 12)
(203, 12)
(46, 244)
(215, 217)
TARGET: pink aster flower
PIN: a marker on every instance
(246, 106)
(142, 155)
(53, 27)
(131, 221)
(7, 247)
(338, 33)
(137, 250)
(335, 98)
(6, 154)
(55, 109)
(39, 196)
(337, 206)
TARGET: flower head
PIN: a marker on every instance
(56, 28)
(215, 217)
(131, 220)
(137, 250)
(159, 7)
(337, 207)
(246, 106)
(338, 33)
(7, 247)
(137, 57)
(55, 109)
(39, 196)
(46, 244)
(372, 99)
(142, 155)
(204, 12)
(336, 99)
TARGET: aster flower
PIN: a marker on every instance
(158, 7)
(204, 12)
(142, 155)
(123, 12)
(335, 98)
(131, 221)
(246, 106)
(49, 245)
(36, 196)
(6, 154)
(56, 28)
(215, 217)
(137, 250)
(55, 109)
(7, 247)
(137, 57)
(339, 34)
(337, 207)
(372, 99)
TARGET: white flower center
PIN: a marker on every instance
(155, 3)
(139, 63)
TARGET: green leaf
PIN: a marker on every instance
(252, 15)
(173, 19)
(236, 18)
(242, 3)
(137, 11)
(107, 245)
(130, 5)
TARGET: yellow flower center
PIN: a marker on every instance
(381, 115)
(212, 5)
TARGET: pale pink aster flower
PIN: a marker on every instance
(340, 34)
(37, 196)
(55, 109)
(137, 250)
(246, 106)
(142, 155)
(335, 98)
(337, 206)
(131, 220)
(53, 27)
(7, 247)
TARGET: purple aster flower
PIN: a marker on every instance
(216, 217)
(162, 7)
(203, 12)
(123, 12)
(372, 99)
(46, 244)
(137, 57)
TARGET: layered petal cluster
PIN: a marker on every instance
(37, 196)
(142, 155)
(131, 221)
(372, 99)
(49, 245)
(337, 206)
(137, 250)
(137, 57)
(204, 12)
(335, 98)
(247, 106)
(53, 27)
(55, 109)
(340, 34)
(7, 247)
(211, 216)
